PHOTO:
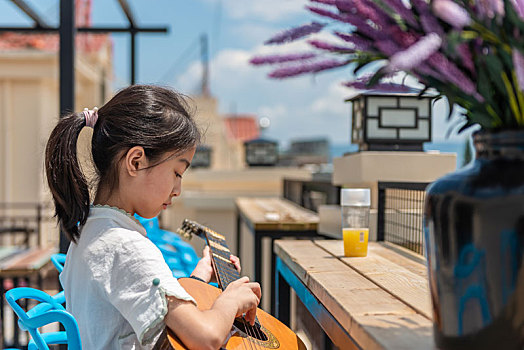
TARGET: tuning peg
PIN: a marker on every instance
(184, 234)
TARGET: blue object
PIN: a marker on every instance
(58, 260)
(55, 313)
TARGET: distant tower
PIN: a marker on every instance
(204, 54)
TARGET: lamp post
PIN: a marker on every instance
(391, 121)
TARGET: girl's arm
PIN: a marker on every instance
(208, 329)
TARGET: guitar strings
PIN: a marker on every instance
(231, 274)
(226, 280)
(228, 277)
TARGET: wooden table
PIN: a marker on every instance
(274, 218)
(21, 264)
(381, 301)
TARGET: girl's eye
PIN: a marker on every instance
(178, 175)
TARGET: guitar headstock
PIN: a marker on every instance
(190, 228)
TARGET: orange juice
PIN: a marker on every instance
(355, 241)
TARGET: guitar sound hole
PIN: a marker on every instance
(252, 331)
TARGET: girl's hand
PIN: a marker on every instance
(246, 295)
(204, 269)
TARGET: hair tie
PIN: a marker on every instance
(91, 116)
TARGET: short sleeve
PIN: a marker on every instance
(128, 282)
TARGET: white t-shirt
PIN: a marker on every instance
(108, 282)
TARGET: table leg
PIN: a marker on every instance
(283, 296)
(2, 328)
(273, 264)
(258, 257)
(15, 320)
(239, 235)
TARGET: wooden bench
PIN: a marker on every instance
(21, 264)
(381, 301)
(274, 218)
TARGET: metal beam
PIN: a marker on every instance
(133, 58)
(67, 73)
(86, 30)
(127, 10)
(28, 11)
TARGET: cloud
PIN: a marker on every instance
(273, 112)
(269, 10)
(333, 101)
(300, 107)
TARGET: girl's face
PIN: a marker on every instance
(157, 186)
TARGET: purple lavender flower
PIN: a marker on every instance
(466, 57)
(295, 33)
(404, 38)
(355, 20)
(325, 2)
(489, 8)
(453, 74)
(519, 7)
(518, 62)
(430, 24)
(452, 13)
(314, 67)
(388, 47)
(271, 59)
(406, 14)
(421, 6)
(364, 8)
(415, 54)
(359, 43)
(322, 45)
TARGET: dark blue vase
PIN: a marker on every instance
(474, 231)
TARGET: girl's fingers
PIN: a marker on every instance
(251, 315)
(205, 252)
(236, 261)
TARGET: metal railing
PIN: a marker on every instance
(21, 223)
(400, 214)
(311, 194)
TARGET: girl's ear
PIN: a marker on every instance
(135, 160)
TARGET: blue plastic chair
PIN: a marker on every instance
(58, 261)
(56, 313)
(178, 254)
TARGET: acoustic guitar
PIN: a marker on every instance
(267, 333)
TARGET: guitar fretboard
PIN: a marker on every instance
(220, 252)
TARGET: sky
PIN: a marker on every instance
(298, 108)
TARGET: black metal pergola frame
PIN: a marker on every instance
(67, 32)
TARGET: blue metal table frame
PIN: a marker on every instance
(285, 279)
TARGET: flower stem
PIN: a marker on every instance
(512, 98)
(520, 97)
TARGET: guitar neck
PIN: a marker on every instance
(220, 252)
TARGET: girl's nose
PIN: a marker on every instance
(176, 191)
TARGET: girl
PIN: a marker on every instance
(116, 282)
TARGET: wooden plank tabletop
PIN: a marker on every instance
(26, 261)
(276, 214)
(7, 251)
(382, 300)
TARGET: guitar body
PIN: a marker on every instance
(270, 334)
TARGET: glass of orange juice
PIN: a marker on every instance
(355, 203)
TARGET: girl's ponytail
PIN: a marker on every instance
(65, 178)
